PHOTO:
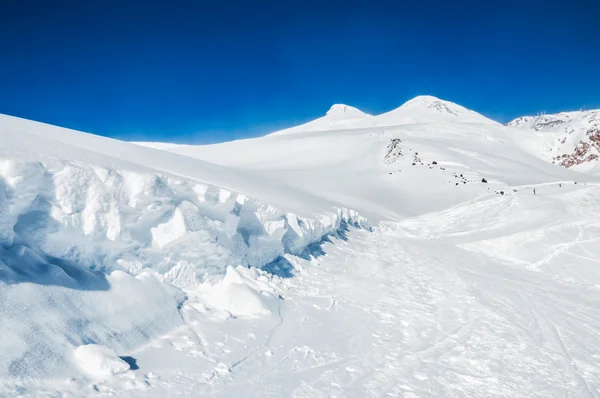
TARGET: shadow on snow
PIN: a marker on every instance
(283, 268)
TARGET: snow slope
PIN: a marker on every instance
(407, 260)
(339, 116)
(156, 145)
(82, 198)
(92, 228)
(353, 168)
(495, 297)
(570, 139)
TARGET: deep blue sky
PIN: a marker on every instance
(200, 71)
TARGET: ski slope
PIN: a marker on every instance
(338, 117)
(354, 167)
(419, 309)
(403, 254)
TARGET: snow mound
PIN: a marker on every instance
(99, 362)
(242, 293)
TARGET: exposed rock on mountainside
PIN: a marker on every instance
(568, 138)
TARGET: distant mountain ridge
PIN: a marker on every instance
(567, 139)
(571, 139)
(421, 109)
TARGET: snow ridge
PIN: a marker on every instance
(79, 238)
(99, 239)
(110, 219)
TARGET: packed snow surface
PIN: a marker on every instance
(424, 252)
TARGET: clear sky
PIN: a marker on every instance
(209, 71)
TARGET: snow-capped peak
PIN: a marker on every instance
(339, 116)
(431, 102)
(423, 100)
(427, 109)
(345, 111)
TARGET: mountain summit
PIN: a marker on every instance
(421, 109)
(345, 111)
(434, 103)
(428, 109)
(338, 117)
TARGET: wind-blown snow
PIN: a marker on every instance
(156, 145)
(100, 362)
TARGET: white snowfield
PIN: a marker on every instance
(426, 252)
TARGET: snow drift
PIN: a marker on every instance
(98, 236)
(109, 219)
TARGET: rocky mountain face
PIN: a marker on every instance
(575, 135)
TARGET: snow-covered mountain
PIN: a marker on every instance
(427, 251)
(421, 109)
(429, 109)
(338, 117)
(569, 139)
(319, 162)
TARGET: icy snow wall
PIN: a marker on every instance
(85, 252)
(107, 219)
